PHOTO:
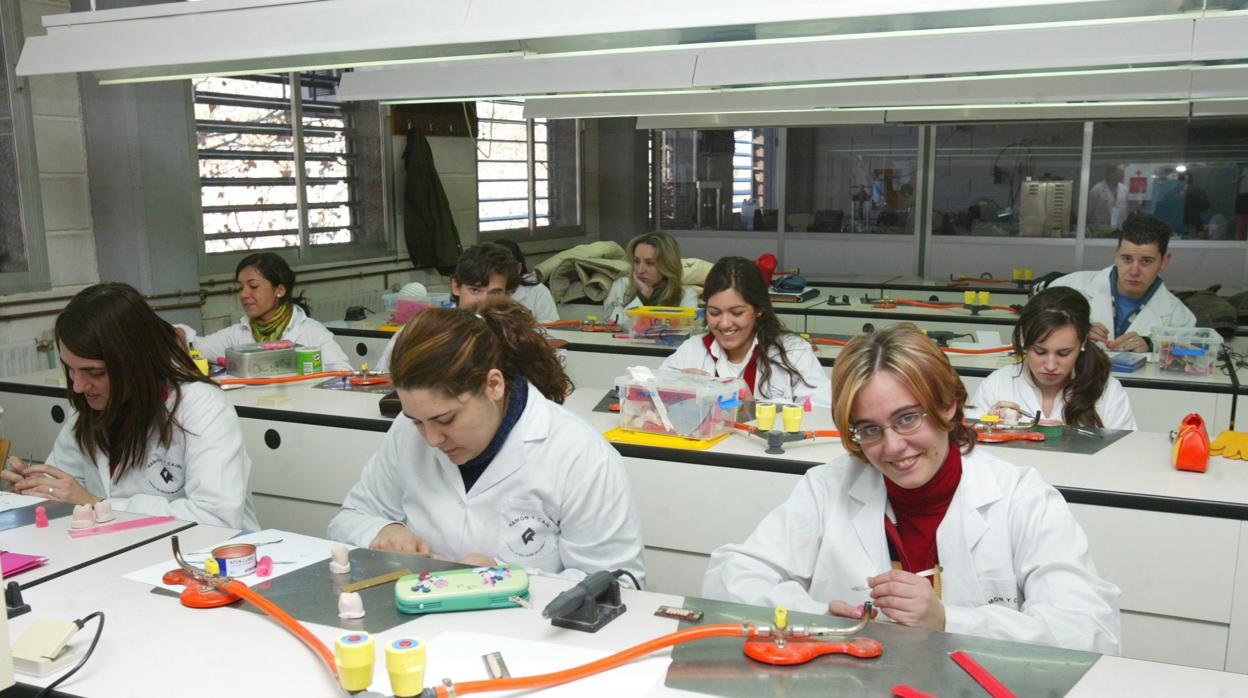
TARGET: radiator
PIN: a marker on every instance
(335, 308)
(20, 358)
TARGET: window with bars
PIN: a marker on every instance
(269, 178)
(528, 172)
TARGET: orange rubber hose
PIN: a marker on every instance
(824, 433)
(287, 621)
(560, 323)
(947, 350)
(283, 379)
(555, 678)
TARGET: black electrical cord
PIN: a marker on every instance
(47, 690)
(626, 573)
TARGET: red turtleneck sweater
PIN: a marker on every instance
(919, 512)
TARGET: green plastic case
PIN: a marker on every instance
(468, 589)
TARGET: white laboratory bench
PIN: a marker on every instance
(1175, 542)
(153, 646)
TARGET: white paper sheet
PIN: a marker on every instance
(293, 552)
(13, 500)
(457, 656)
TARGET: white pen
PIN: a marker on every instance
(925, 573)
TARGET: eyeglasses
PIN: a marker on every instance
(869, 434)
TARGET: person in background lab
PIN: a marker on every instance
(1195, 203)
(1128, 298)
(484, 465)
(655, 280)
(1006, 558)
(148, 432)
(272, 312)
(1061, 374)
(483, 271)
(1107, 201)
(531, 293)
(747, 340)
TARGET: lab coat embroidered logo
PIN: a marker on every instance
(528, 535)
(165, 476)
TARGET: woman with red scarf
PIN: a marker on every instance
(935, 534)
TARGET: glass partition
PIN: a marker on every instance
(718, 179)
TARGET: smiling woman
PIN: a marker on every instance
(149, 433)
(484, 465)
(910, 497)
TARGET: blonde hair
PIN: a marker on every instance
(914, 360)
(667, 259)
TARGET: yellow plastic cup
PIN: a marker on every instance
(405, 662)
(968, 297)
(1029, 274)
(792, 416)
(983, 297)
(354, 654)
(1018, 273)
(765, 415)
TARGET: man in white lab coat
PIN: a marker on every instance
(1107, 201)
(944, 537)
(1129, 298)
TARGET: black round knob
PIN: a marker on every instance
(272, 439)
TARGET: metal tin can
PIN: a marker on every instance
(235, 559)
(307, 360)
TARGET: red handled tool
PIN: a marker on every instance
(994, 437)
(995, 688)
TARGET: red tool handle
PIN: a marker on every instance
(995, 688)
(904, 691)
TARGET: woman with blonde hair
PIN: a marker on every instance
(946, 537)
(484, 465)
(655, 278)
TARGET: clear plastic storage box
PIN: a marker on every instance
(1191, 350)
(658, 324)
(672, 403)
(400, 310)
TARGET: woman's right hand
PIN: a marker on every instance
(844, 610)
(397, 538)
(645, 289)
(1003, 405)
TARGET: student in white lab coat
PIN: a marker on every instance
(530, 292)
(1061, 373)
(266, 289)
(1129, 298)
(746, 340)
(655, 279)
(911, 494)
(148, 432)
(484, 465)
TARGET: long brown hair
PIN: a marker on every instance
(1051, 310)
(143, 358)
(914, 360)
(454, 350)
(743, 275)
(667, 259)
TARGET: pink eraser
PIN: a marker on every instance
(41, 517)
(806, 407)
(264, 567)
(220, 360)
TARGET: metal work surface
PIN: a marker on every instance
(344, 384)
(918, 658)
(604, 405)
(24, 516)
(1071, 441)
(310, 594)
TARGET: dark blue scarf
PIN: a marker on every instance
(519, 394)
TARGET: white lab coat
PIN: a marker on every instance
(555, 498)
(538, 300)
(301, 330)
(1164, 309)
(1016, 563)
(782, 387)
(1107, 207)
(615, 309)
(202, 476)
(1014, 384)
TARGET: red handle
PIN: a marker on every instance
(995, 688)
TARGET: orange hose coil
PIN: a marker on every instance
(283, 379)
(287, 621)
(947, 350)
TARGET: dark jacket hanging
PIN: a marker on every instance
(432, 239)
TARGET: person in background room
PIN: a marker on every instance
(484, 465)
(532, 293)
(1128, 298)
(1061, 374)
(1001, 554)
(655, 280)
(484, 271)
(746, 340)
(272, 312)
(148, 432)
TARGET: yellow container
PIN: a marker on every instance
(405, 662)
(658, 324)
(1029, 274)
(354, 655)
(1018, 273)
(968, 297)
(792, 417)
(983, 297)
(765, 415)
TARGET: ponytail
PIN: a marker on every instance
(454, 350)
(1091, 376)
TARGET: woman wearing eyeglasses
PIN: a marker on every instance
(933, 533)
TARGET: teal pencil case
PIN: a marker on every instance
(468, 589)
